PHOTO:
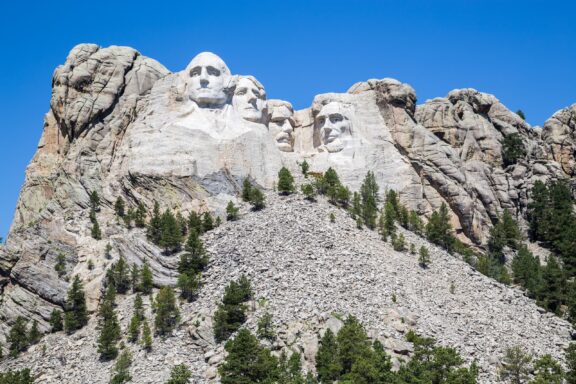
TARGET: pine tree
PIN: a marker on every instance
(121, 368)
(180, 374)
(571, 364)
(95, 231)
(34, 335)
(285, 182)
(551, 293)
(305, 167)
(424, 258)
(257, 199)
(266, 328)
(207, 222)
(135, 277)
(140, 216)
(515, 365)
(108, 326)
(146, 279)
(167, 314)
(146, 336)
(189, 285)
(154, 231)
(547, 371)
(389, 213)
(308, 191)
(60, 266)
(327, 362)
(119, 207)
(76, 311)
(246, 190)
(231, 314)
(369, 195)
(134, 329)
(415, 223)
(195, 259)
(119, 276)
(439, 230)
(512, 149)
(195, 223)
(527, 271)
(231, 211)
(247, 362)
(94, 201)
(399, 243)
(17, 337)
(56, 321)
(171, 233)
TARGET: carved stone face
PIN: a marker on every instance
(281, 125)
(249, 99)
(334, 126)
(208, 80)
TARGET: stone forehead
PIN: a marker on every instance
(332, 108)
(251, 79)
(209, 58)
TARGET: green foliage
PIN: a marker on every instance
(285, 182)
(16, 377)
(521, 114)
(171, 232)
(424, 257)
(207, 222)
(195, 223)
(547, 371)
(76, 315)
(134, 328)
(34, 335)
(439, 230)
(189, 285)
(94, 201)
(290, 370)
(412, 249)
(18, 337)
(248, 362)
(154, 231)
(195, 259)
(60, 266)
(146, 336)
(512, 149)
(167, 314)
(505, 233)
(108, 326)
(180, 374)
(121, 368)
(369, 198)
(305, 167)
(257, 199)
(308, 191)
(415, 223)
(146, 279)
(332, 217)
(56, 321)
(231, 211)
(95, 232)
(119, 207)
(246, 190)
(231, 313)
(399, 243)
(571, 364)
(118, 275)
(356, 209)
(527, 271)
(515, 365)
(266, 328)
(140, 216)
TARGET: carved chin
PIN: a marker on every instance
(334, 146)
(284, 147)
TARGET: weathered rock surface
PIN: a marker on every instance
(123, 125)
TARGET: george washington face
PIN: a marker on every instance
(208, 80)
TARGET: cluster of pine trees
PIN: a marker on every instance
(16, 377)
(231, 312)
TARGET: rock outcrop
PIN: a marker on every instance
(124, 126)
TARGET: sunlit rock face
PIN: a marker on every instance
(281, 124)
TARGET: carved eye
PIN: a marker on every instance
(195, 72)
(336, 118)
(257, 94)
(321, 121)
(240, 91)
(213, 71)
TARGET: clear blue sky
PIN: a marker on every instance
(524, 52)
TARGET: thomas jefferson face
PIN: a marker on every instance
(334, 126)
(249, 99)
(281, 125)
(208, 79)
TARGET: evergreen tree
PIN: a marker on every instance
(309, 192)
(195, 259)
(146, 336)
(108, 326)
(356, 210)
(167, 314)
(189, 285)
(56, 321)
(257, 199)
(290, 370)
(305, 167)
(246, 190)
(552, 288)
(60, 266)
(352, 342)
(17, 337)
(328, 365)
(34, 335)
(512, 149)
(571, 364)
(134, 329)
(180, 374)
(527, 271)
(119, 276)
(247, 362)
(121, 368)
(195, 223)
(231, 211)
(515, 365)
(171, 233)
(146, 279)
(140, 216)
(547, 371)
(16, 377)
(399, 243)
(138, 307)
(521, 114)
(266, 328)
(343, 196)
(389, 213)
(285, 182)
(415, 223)
(439, 230)
(119, 207)
(76, 311)
(424, 257)
(135, 277)
(95, 231)
(207, 222)
(231, 314)
(154, 231)
(369, 195)
(94, 201)
(129, 217)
